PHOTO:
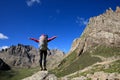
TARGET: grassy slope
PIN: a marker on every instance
(17, 74)
(73, 63)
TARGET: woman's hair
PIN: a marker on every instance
(46, 36)
(43, 36)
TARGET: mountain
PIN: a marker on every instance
(96, 52)
(26, 56)
(101, 30)
(20, 56)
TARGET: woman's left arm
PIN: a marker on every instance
(49, 39)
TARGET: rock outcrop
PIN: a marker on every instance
(101, 30)
(41, 75)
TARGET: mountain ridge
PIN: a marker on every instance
(26, 56)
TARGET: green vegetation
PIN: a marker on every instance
(73, 63)
(64, 63)
(17, 74)
(89, 79)
(70, 58)
(78, 63)
(113, 67)
(106, 51)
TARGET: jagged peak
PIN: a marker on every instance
(110, 10)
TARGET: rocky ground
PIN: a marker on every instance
(41, 75)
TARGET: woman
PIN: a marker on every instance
(43, 47)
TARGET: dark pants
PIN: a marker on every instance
(43, 55)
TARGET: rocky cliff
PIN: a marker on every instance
(101, 30)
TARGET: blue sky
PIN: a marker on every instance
(66, 19)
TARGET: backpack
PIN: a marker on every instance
(43, 42)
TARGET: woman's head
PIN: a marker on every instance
(43, 36)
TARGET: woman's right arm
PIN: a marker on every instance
(34, 39)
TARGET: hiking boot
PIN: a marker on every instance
(45, 69)
(41, 69)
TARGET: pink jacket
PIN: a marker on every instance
(49, 39)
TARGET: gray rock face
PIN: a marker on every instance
(101, 30)
(23, 56)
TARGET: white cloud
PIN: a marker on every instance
(2, 36)
(31, 2)
(4, 47)
(82, 21)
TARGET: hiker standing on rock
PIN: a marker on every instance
(43, 47)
